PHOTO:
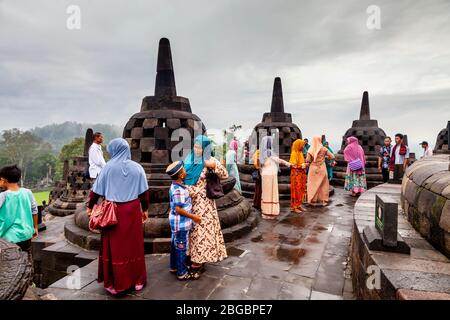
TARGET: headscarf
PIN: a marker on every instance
(266, 149)
(297, 157)
(234, 145)
(256, 162)
(328, 147)
(194, 164)
(354, 151)
(316, 146)
(122, 179)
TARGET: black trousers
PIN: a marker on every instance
(385, 173)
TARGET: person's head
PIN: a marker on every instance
(398, 138)
(424, 145)
(351, 140)
(297, 145)
(306, 141)
(176, 171)
(387, 141)
(98, 138)
(9, 175)
(234, 145)
(119, 149)
(202, 146)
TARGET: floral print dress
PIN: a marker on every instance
(206, 243)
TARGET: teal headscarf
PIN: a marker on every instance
(194, 165)
(328, 147)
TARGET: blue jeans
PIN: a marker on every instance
(178, 252)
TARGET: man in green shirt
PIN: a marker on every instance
(18, 210)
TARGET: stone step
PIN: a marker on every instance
(58, 257)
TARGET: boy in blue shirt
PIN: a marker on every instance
(18, 210)
(180, 218)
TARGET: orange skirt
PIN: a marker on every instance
(298, 187)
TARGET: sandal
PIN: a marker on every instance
(173, 271)
(112, 291)
(187, 276)
(138, 287)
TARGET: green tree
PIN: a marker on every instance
(71, 150)
(42, 168)
(22, 148)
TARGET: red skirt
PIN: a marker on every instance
(121, 262)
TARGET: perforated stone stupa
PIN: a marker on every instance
(279, 122)
(149, 133)
(72, 196)
(371, 138)
(442, 141)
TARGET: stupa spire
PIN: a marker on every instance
(88, 140)
(277, 96)
(365, 109)
(165, 78)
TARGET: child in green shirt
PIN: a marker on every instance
(18, 210)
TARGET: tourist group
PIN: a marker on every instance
(120, 199)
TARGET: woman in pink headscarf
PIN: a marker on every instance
(355, 178)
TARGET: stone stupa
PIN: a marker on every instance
(70, 194)
(279, 123)
(150, 133)
(371, 138)
(442, 141)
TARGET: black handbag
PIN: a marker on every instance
(214, 189)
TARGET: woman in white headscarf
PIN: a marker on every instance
(270, 203)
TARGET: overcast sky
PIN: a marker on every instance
(226, 54)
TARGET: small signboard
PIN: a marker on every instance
(386, 219)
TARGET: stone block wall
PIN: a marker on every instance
(426, 200)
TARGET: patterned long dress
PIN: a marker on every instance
(206, 243)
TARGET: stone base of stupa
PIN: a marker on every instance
(237, 218)
(373, 177)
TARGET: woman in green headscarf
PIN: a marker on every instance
(329, 163)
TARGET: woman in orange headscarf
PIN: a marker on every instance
(318, 183)
(298, 176)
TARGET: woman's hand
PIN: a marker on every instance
(196, 219)
(144, 216)
(88, 212)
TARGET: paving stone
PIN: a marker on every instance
(317, 295)
(264, 289)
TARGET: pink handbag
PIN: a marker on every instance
(103, 215)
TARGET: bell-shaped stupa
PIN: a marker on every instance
(70, 194)
(153, 136)
(371, 138)
(278, 123)
(442, 141)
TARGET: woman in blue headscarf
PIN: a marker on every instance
(121, 264)
(270, 203)
(206, 243)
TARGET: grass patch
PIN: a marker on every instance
(41, 196)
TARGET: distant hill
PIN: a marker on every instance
(59, 135)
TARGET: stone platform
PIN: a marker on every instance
(424, 274)
(296, 256)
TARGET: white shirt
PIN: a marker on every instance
(399, 159)
(427, 153)
(96, 160)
